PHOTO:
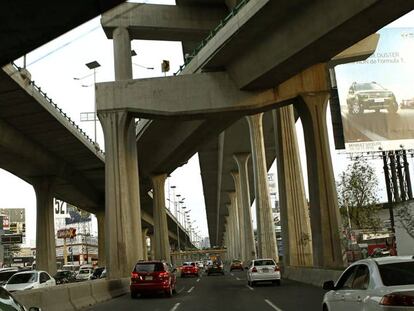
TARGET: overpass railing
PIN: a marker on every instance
(212, 33)
(63, 114)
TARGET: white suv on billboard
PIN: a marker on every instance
(370, 96)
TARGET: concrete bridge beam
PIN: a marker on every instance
(122, 209)
(324, 211)
(45, 225)
(244, 193)
(296, 233)
(162, 243)
(267, 247)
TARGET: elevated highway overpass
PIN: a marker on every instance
(261, 56)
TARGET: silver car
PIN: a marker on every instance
(385, 283)
(261, 270)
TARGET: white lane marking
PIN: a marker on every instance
(272, 305)
(249, 287)
(190, 290)
(181, 290)
(198, 280)
(238, 279)
(175, 306)
(231, 274)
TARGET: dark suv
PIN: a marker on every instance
(370, 96)
(215, 267)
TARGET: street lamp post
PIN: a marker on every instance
(93, 65)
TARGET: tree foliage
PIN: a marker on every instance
(357, 196)
(405, 218)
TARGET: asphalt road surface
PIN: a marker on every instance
(224, 293)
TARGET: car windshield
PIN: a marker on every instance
(149, 267)
(4, 276)
(401, 273)
(84, 271)
(265, 262)
(23, 278)
(368, 87)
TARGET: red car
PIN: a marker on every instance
(189, 268)
(152, 277)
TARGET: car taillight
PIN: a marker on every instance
(254, 269)
(397, 300)
(163, 275)
(277, 269)
(134, 275)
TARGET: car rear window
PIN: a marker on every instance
(84, 271)
(236, 261)
(149, 267)
(401, 273)
(23, 278)
(258, 263)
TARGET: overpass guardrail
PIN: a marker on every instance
(212, 33)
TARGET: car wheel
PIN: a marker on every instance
(252, 283)
(208, 274)
(356, 108)
(393, 107)
(169, 292)
(134, 295)
(249, 283)
(278, 282)
(325, 308)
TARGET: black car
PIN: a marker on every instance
(64, 276)
(97, 273)
(7, 302)
(215, 267)
(370, 96)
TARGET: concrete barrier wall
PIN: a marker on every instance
(74, 296)
(314, 276)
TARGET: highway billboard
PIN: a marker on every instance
(377, 95)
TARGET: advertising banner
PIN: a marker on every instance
(377, 95)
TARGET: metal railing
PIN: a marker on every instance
(212, 33)
(63, 114)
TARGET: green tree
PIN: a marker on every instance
(405, 218)
(357, 196)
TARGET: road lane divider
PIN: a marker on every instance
(238, 279)
(190, 290)
(249, 287)
(198, 280)
(180, 290)
(175, 306)
(272, 305)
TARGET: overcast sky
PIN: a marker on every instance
(54, 67)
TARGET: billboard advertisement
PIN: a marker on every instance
(377, 95)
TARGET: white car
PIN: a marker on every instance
(29, 280)
(84, 274)
(385, 283)
(261, 270)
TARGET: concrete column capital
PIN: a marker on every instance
(235, 175)
(255, 120)
(158, 178)
(241, 158)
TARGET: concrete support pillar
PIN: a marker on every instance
(265, 227)
(324, 212)
(144, 244)
(230, 237)
(233, 211)
(122, 210)
(162, 242)
(240, 216)
(122, 54)
(100, 216)
(296, 233)
(152, 246)
(45, 225)
(244, 197)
